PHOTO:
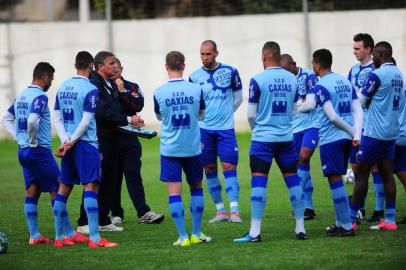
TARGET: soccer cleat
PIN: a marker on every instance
(182, 243)
(151, 218)
(83, 229)
(246, 238)
(102, 243)
(116, 220)
(110, 228)
(220, 217)
(376, 216)
(40, 240)
(341, 232)
(63, 243)
(354, 226)
(77, 238)
(235, 217)
(384, 226)
(360, 216)
(194, 239)
(301, 236)
(309, 214)
(331, 229)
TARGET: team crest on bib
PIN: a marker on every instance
(221, 79)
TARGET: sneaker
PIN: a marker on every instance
(221, 216)
(384, 226)
(235, 217)
(309, 214)
(194, 239)
(331, 229)
(341, 232)
(301, 236)
(403, 221)
(110, 228)
(246, 238)
(376, 216)
(63, 243)
(102, 243)
(182, 243)
(360, 216)
(83, 229)
(116, 220)
(151, 218)
(40, 240)
(77, 238)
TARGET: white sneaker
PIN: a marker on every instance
(83, 229)
(116, 220)
(110, 228)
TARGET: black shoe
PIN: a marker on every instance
(309, 214)
(331, 229)
(341, 232)
(360, 216)
(301, 236)
(151, 218)
(376, 216)
(403, 221)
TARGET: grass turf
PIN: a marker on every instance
(150, 246)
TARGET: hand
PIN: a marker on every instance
(356, 143)
(65, 147)
(137, 121)
(120, 84)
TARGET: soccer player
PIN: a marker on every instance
(28, 121)
(271, 102)
(305, 130)
(75, 106)
(179, 105)
(341, 122)
(382, 94)
(363, 45)
(222, 91)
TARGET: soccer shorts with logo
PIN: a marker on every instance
(334, 157)
(222, 143)
(373, 150)
(171, 169)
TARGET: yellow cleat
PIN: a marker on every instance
(182, 243)
(194, 239)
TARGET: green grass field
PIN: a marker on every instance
(150, 246)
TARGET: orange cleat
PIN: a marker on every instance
(102, 243)
(78, 238)
(40, 240)
(63, 243)
(385, 226)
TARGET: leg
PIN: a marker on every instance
(379, 196)
(62, 224)
(360, 187)
(176, 208)
(31, 210)
(385, 168)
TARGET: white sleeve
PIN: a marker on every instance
(358, 118)
(308, 105)
(82, 127)
(201, 115)
(158, 116)
(363, 100)
(252, 114)
(337, 120)
(8, 122)
(32, 128)
(237, 98)
(59, 127)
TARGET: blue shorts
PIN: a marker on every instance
(171, 169)
(353, 154)
(39, 167)
(308, 138)
(400, 159)
(81, 165)
(222, 143)
(334, 157)
(373, 150)
(262, 153)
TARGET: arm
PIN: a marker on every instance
(369, 89)
(308, 105)
(157, 109)
(236, 85)
(131, 96)
(58, 122)
(252, 114)
(202, 107)
(32, 129)
(8, 122)
(357, 114)
(337, 120)
(253, 100)
(82, 127)
(237, 98)
(107, 114)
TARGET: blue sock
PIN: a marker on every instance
(379, 193)
(390, 212)
(196, 208)
(258, 196)
(177, 213)
(214, 187)
(340, 199)
(92, 210)
(67, 226)
(296, 195)
(31, 215)
(59, 215)
(354, 212)
(232, 189)
(303, 172)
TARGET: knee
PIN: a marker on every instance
(210, 167)
(228, 166)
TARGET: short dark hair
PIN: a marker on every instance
(101, 57)
(118, 61)
(386, 48)
(41, 69)
(211, 42)
(323, 57)
(83, 60)
(271, 47)
(366, 39)
(175, 60)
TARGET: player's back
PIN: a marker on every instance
(386, 85)
(274, 90)
(218, 86)
(337, 89)
(76, 96)
(32, 100)
(178, 102)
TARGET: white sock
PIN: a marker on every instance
(300, 226)
(255, 229)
